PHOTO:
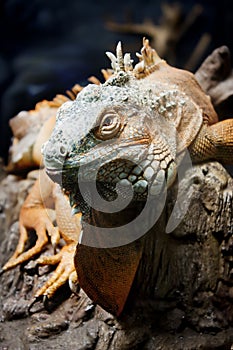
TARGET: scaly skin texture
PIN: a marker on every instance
(131, 130)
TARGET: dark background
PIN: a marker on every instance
(48, 46)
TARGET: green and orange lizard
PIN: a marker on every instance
(130, 131)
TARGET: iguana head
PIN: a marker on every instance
(113, 134)
(126, 132)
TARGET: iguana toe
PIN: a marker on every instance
(62, 274)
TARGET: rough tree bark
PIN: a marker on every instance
(182, 297)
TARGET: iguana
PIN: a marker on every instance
(130, 131)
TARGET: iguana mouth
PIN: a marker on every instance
(111, 158)
(116, 178)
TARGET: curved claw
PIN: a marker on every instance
(35, 300)
(74, 283)
(2, 272)
(43, 299)
(48, 306)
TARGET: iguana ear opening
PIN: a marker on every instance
(188, 121)
(178, 110)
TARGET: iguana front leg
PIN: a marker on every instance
(36, 213)
(44, 204)
(70, 228)
(214, 142)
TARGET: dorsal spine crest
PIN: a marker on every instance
(148, 60)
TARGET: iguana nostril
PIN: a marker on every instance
(63, 151)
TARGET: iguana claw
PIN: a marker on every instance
(30, 306)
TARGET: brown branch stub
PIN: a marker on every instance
(167, 33)
(198, 52)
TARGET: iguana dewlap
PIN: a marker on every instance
(128, 132)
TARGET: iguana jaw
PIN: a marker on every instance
(132, 185)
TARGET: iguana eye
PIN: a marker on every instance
(109, 126)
